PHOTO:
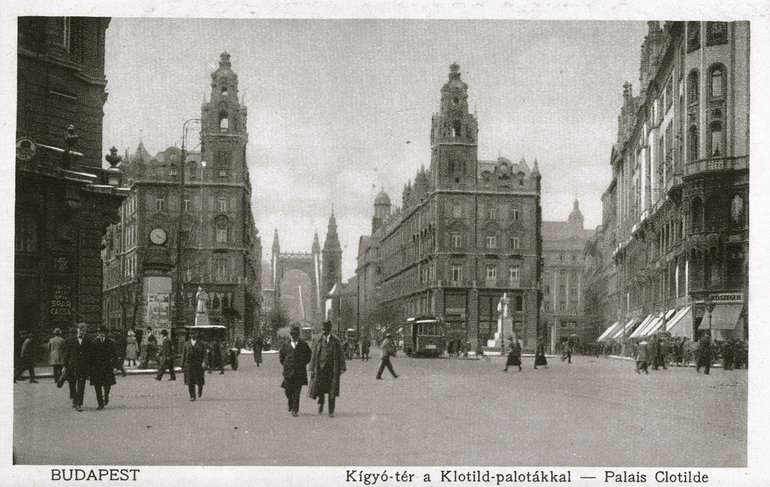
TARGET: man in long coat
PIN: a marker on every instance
(101, 364)
(327, 364)
(76, 352)
(193, 355)
(165, 357)
(56, 354)
(704, 352)
(294, 355)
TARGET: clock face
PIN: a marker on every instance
(158, 236)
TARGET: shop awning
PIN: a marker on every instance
(681, 324)
(625, 330)
(609, 331)
(654, 326)
(647, 320)
(724, 317)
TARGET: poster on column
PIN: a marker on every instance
(158, 302)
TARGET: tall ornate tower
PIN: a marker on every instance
(454, 131)
(223, 121)
(332, 258)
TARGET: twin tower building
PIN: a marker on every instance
(467, 231)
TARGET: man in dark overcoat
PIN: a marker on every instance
(704, 353)
(76, 371)
(101, 362)
(294, 355)
(165, 357)
(366, 344)
(327, 364)
(193, 355)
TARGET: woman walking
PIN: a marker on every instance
(132, 349)
(641, 357)
(514, 356)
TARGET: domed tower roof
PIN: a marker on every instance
(576, 216)
(382, 199)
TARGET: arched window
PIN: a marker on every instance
(224, 124)
(715, 133)
(737, 210)
(224, 91)
(692, 143)
(697, 215)
(717, 81)
(456, 128)
(693, 87)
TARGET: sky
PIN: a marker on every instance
(338, 109)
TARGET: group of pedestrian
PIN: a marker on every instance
(82, 359)
(327, 363)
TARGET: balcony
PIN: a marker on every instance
(674, 185)
(703, 166)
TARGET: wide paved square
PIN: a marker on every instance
(593, 412)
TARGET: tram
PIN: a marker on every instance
(425, 337)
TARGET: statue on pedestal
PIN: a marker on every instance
(201, 310)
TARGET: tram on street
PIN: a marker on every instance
(425, 337)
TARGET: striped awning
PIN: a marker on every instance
(609, 331)
(649, 319)
(681, 324)
(724, 317)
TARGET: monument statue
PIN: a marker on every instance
(201, 310)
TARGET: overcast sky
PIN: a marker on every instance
(339, 108)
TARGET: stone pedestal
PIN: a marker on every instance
(201, 319)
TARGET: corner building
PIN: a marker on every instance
(680, 183)
(467, 232)
(64, 199)
(219, 248)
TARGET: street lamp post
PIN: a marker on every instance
(709, 303)
(179, 318)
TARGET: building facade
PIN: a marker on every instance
(680, 185)
(467, 232)
(64, 199)
(189, 220)
(563, 283)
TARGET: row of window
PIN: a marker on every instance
(129, 266)
(491, 213)
(490, 242)
(562, 290)
(716, 33)
(562, 307)
(514, 273)
(160, 204)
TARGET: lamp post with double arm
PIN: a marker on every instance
(178, 299)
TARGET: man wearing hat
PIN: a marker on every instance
(76, 355)
(102, 360)
(388, 350)
(165, 357)
(294, 355)
(193, 355)
(327, 364)
(56, 354)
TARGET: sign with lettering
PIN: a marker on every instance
(60, 305)
(727, 297)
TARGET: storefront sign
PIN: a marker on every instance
(727, 298)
